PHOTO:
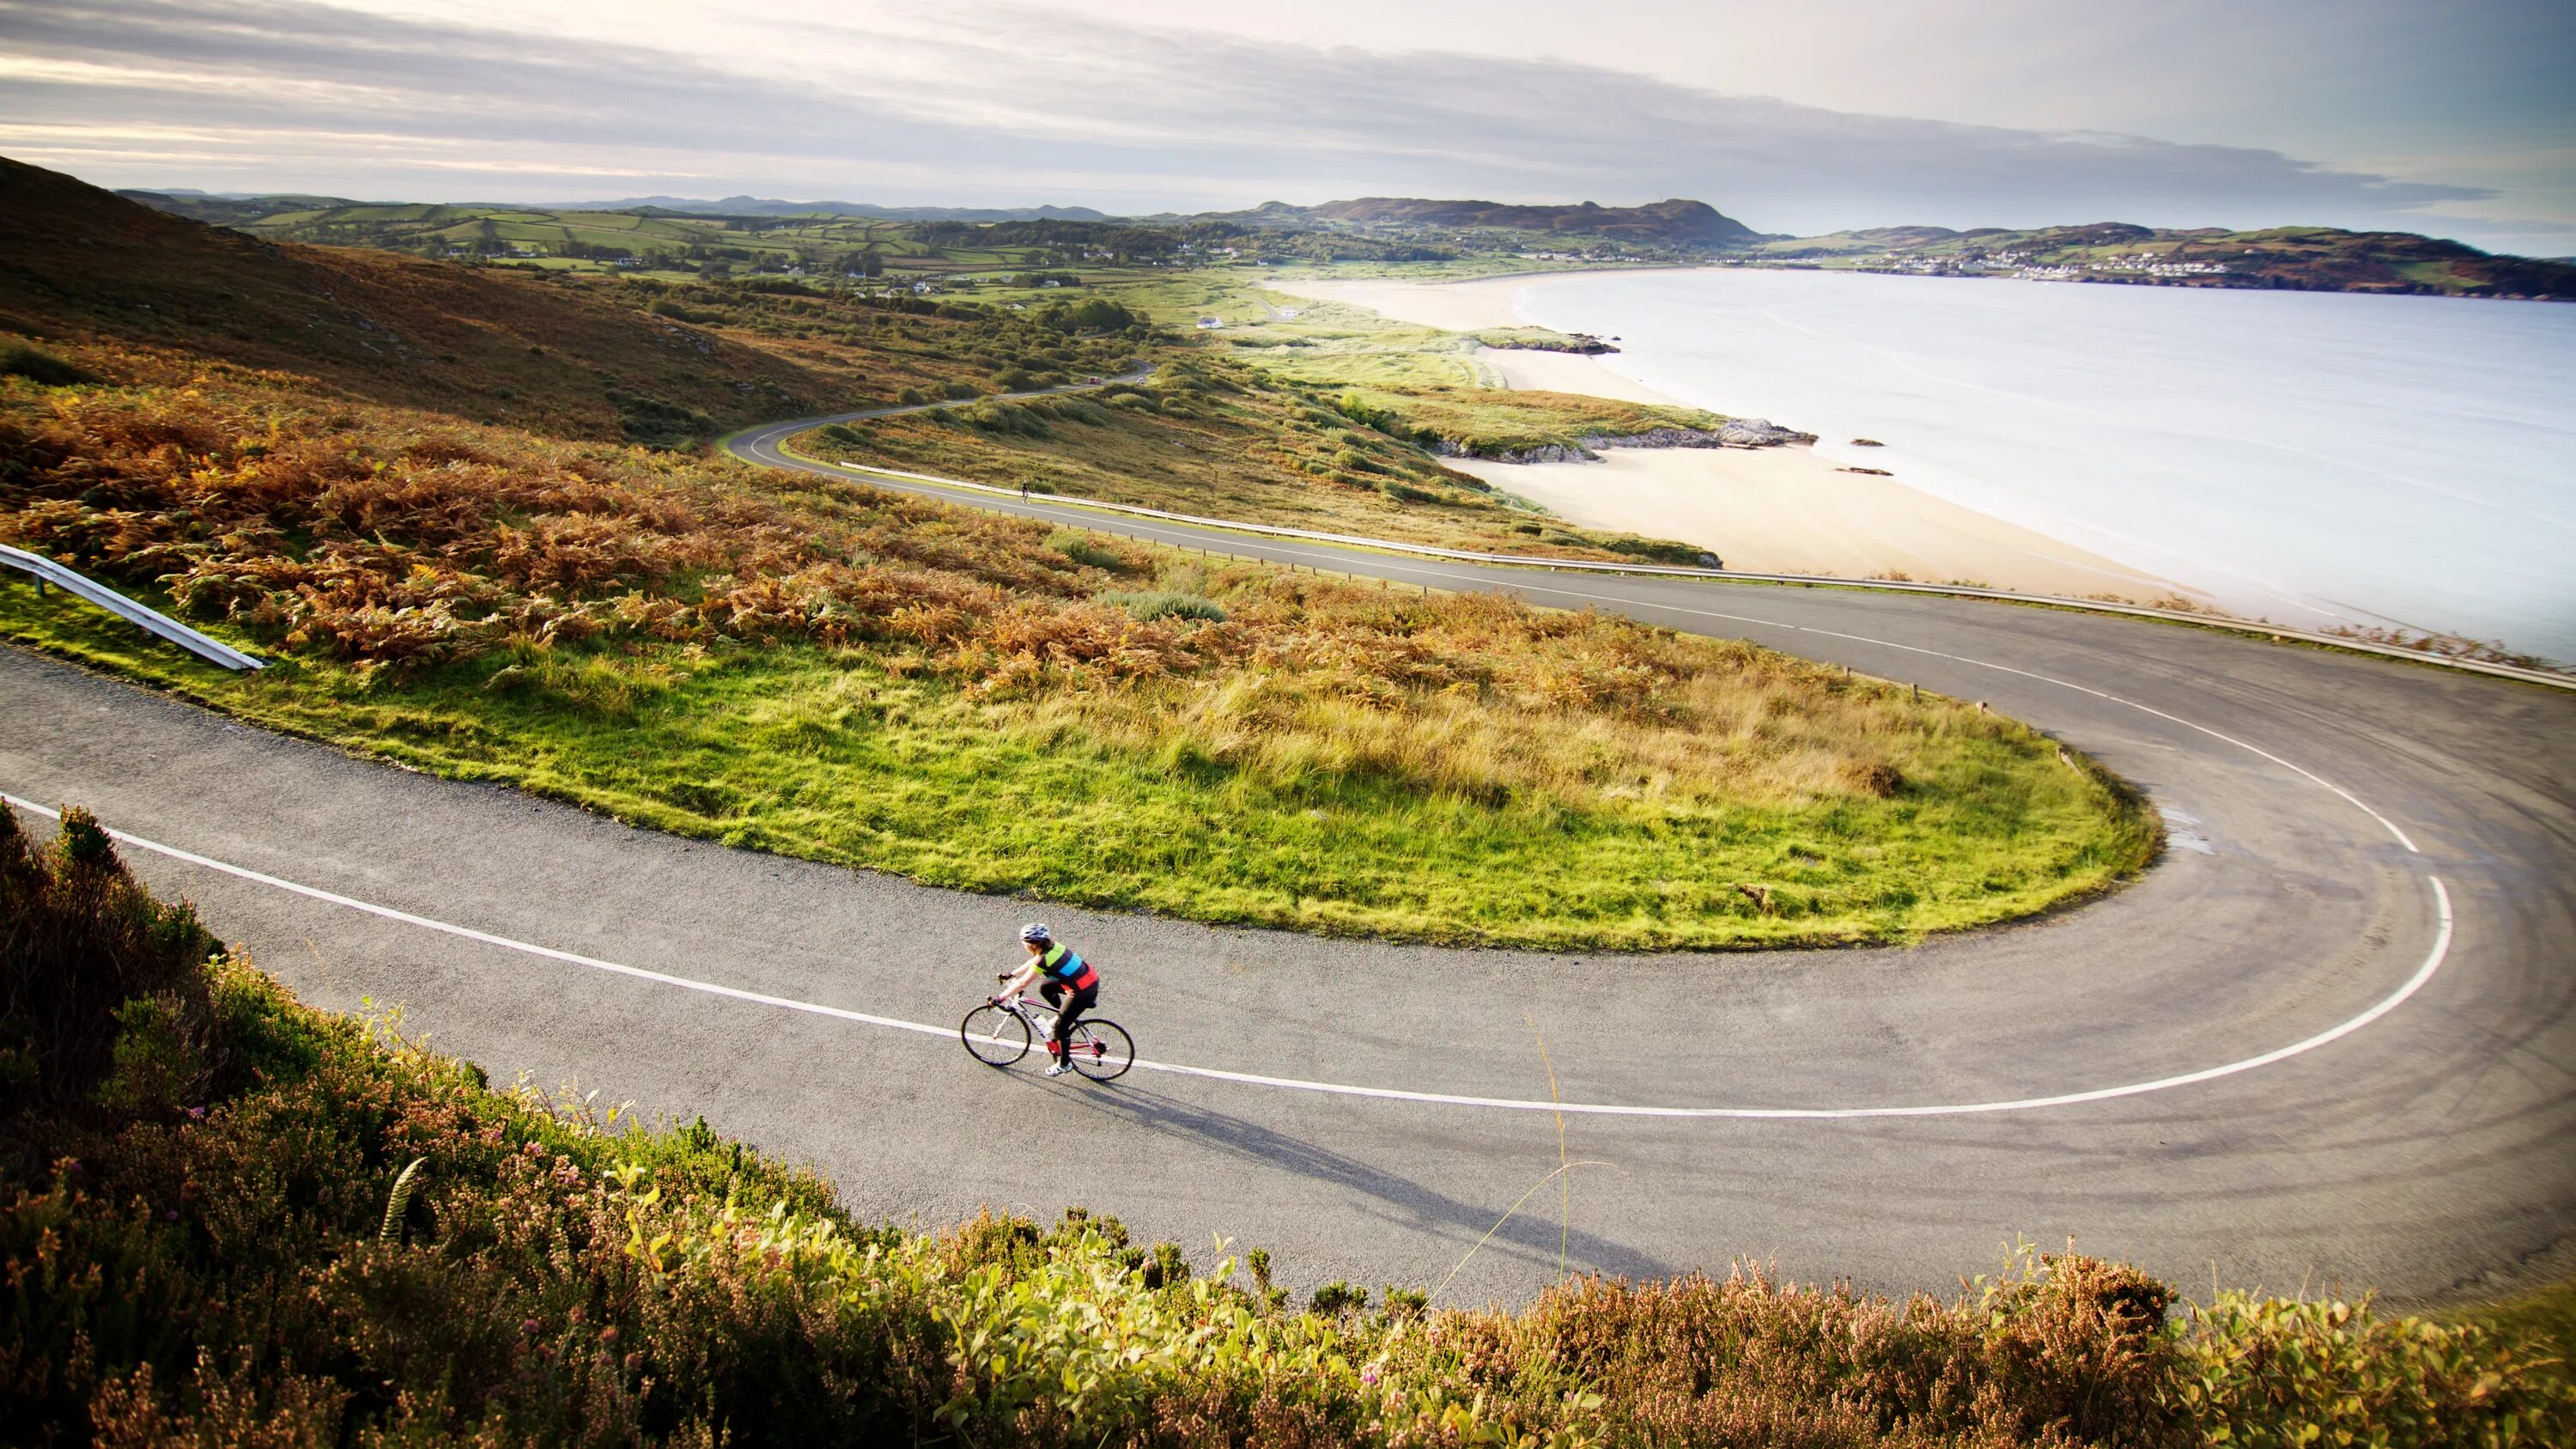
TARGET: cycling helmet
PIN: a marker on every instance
(1035, 933)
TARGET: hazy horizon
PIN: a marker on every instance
(2368, 115)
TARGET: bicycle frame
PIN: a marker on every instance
(1041, 1023)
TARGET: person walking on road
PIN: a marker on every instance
(1071, 987)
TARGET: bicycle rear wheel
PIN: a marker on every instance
(1100, 1050)
(993, 1036)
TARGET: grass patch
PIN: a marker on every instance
(1212, 436)
(2544, 1320)
(228, 1218)
(1166, 604)
(22, 359)
(1253, 798)
(820, 668)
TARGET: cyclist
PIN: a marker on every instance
(1071, 987)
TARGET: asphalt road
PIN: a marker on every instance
(2330, 1039)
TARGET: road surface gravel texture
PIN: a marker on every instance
(2326, 809)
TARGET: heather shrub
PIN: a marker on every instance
(2274, 1374)
(1165, 604)
(82, 945)
(1083, 549)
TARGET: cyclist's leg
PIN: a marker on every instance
(1053, 992)
(1082, 1001)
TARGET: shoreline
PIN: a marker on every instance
(1769, 510)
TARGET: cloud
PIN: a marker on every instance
(998, 103)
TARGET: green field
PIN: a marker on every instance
(1220, 435)
(1247, 800)
(819, 668)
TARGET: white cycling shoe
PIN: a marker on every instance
(1059, 1069)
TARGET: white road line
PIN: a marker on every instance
(487, 938)
(2433, 959)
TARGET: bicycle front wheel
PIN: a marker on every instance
(1100, 1050)
(993, 1036)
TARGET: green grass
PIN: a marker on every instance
(2544, 1319)
(825, 753)
(1227, 439)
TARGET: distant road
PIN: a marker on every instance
(2331, 1038)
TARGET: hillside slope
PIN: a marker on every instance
(478, 343)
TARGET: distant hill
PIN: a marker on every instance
(766, 233)
(1674, 222)
(2300, 258)
(762, 206)
(223, 209)
(237, 208)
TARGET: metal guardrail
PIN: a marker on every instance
(151, 621)
(2252, 627)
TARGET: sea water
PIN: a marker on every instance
(2313, 458)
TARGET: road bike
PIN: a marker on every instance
(998, 1034)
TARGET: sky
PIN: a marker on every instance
(2456, 119)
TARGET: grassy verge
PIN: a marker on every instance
(2543, 1320)
(821, 668)
(1212, 436)
(228, 1218)
(1249, 800)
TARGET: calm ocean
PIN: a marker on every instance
(2306, 457)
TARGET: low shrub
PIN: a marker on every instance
(1663, 550)
(24, 359)
(657, 423)
(1085, 550)
(80, 943)
(1164, 604)
(1002, 419)
(1078, 410)
(678, 311)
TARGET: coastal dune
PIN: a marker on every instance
(1764, 510)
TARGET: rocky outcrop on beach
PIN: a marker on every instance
(1535, 340)
(1733, 433)
(1536, 453)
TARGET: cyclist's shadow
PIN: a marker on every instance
(1529, 1235)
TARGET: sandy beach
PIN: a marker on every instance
(1767, 510)
(1785, 510)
